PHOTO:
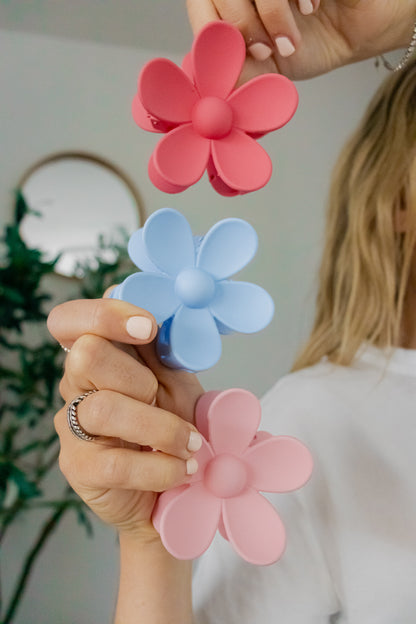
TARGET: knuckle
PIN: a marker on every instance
(61, 387)
(168, 475)
(165, 481)
(82, 470)
(161, 430)
(273, 17)
(52, 320)
(97, 410)
(145, 425)
(64, 388)
(64, 463)
(136, 380)
(98, 315)
(59, 420)
(237, 19)
(84, 354)
(114, 470)
(149, 386)
(173, 433)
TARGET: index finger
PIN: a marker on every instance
(109, 318)
(200, 13)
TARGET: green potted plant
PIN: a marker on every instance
(30, 369)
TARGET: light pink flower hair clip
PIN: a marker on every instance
(235, 463)
(208, 124)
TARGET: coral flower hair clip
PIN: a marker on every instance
(208, 124)
(235, 463)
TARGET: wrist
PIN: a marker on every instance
(406, 24)
(410, 48)
(401, 30)
(396, 34)
(147, 572)
(141, 535)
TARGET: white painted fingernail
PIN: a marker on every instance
(285, 46)
(305, 7)
(191, 466)
(260, 51)
(194, 442)
(139, 327)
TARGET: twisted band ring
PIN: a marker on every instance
(72, 418)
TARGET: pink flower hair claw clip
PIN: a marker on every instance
(208, 124)
(235, 463)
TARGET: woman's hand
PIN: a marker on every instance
(139, 406)
(305, 38)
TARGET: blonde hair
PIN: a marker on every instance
(366, 262)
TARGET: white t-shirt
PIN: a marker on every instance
(351, 531)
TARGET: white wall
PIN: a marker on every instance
(62, 95)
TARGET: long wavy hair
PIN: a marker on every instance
(366, 260)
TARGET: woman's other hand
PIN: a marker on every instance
(139, 406)
(305, 38)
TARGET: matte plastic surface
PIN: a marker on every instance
(208, 124)
(234, 466)
(184, 284)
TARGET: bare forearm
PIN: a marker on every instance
(154, 586)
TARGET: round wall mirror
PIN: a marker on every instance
(79, 197)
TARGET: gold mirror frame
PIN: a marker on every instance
(92, 159)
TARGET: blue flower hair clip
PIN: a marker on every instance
(184, 282)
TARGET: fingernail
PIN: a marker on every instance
(194, 442)
(285, 46)
(191, 466)
(139, 327)
(306, 7)
(260, 51)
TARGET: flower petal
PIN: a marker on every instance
(145, 120)
(181, 157)
(218, 55)
(241, 162)
(137, 253)
(168, 241)
(187, 66)
(163, 501)
(264, 103)
(221, 187)
(233, 418)
(242, 307)
(254, 528)
(221, 528)
(166, 91)
(194, 339)
(227, 247)
(189, 522)
(217, 183)
(260, 436)
(159, 181)
(152, 292)
(201, 411)
(279, 464)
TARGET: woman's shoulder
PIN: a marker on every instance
(322, 378)
(310, 399)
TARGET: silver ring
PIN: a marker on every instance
(72, 418)
(65, 348)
